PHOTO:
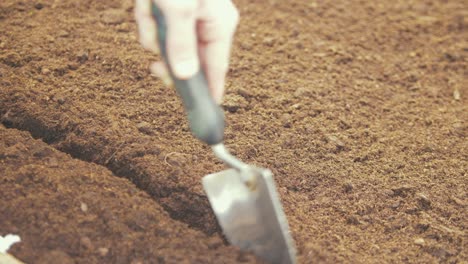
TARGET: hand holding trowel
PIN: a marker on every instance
(244, 197)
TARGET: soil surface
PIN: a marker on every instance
(358, 107)
(68, 211)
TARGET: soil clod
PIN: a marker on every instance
(113, 16)
(145, 127)
(348, 187)
(38, 6)
(86, 243)
(423, 202)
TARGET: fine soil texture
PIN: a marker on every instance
(71, 211)
(359, 108)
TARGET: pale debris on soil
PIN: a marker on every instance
(7, 241)
(456, 95)
(419, 241)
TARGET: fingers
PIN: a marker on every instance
(182, 41)
(216, 27)
(146, 25)
(198, 32)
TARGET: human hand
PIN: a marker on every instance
(199, 33)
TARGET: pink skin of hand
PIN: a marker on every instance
(199, 33)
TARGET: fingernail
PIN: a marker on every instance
(186, 69)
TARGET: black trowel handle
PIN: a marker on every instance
(206, 118)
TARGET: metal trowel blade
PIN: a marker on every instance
(251, 217)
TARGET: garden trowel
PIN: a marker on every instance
(244, 197)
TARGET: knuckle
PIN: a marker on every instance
(223, 26)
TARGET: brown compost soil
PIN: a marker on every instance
(68, 211)
(358, 107)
